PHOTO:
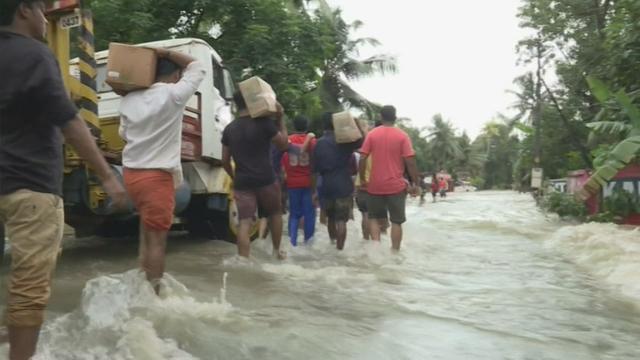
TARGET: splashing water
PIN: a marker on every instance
(480, 276)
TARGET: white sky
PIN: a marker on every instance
(456, 57)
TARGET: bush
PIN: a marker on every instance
(478, 182)
(617, 207)
(565, 205)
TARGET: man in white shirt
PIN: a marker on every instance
(151, 126)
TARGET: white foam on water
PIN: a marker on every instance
(121, 318)
(608, 251)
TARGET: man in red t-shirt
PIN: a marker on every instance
(391, 153)
(297, 166)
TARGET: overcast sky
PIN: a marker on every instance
(455, 57)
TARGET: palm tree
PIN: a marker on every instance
(473, 156)
(345, 64)
(443, 144)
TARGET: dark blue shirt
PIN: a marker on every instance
(34, 106)
(334, 163)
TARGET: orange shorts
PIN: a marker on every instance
(154, 196)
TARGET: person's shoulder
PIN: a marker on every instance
(375, 133)
(28, 49)
(232, 126)
(37, 50)
(399, 132)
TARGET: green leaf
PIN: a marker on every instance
(629, 108)
(617, 159)
(529, 130)
(610, 128)
(599, 89)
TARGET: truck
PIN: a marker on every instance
(204, 205)
(204, 202)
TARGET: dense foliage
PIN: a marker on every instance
(304, 49)
(308, 52)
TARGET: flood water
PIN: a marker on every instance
(480, 276)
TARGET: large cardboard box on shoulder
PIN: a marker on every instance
(345, 128)
(259, 95)
(130, 68)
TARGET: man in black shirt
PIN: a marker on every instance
(248, 141)
(35, 114)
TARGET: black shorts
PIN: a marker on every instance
(394, 205)
(338, 209)
(362, 199)
(266, 200)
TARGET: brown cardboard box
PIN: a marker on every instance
(345, 128)
(259, 96)
(130, 68)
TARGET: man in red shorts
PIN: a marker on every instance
(151, 126)
(391, 153)
(248, 142)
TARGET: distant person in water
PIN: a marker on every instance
(248, 142)
(443, 187)
(435, 187)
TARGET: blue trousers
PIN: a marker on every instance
(301, 207)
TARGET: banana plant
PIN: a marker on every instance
(627, 149)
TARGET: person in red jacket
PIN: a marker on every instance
(296, 163)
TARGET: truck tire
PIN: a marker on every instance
(119, 228)
(215, 225)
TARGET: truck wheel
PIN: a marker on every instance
(215, 225)
(119, 228)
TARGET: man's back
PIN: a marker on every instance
(151, 121)
(153, 127)
(33, 106)
(249, 142)
(388, 147)
(333, 162)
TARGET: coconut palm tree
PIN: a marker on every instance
(443, 143)
(472, 156)
(345, 65)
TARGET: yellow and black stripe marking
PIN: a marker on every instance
(88, 98)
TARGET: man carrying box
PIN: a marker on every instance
(248, 141)
(151, 126)
(333, 162)
(35, 114)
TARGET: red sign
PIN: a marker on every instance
(56, 6)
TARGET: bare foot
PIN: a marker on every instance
(280, 254)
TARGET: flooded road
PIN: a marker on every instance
(480, 276)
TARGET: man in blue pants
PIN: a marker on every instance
(297, 166)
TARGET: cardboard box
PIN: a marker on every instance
(130, 68)
(345, 128)
(260, 98)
